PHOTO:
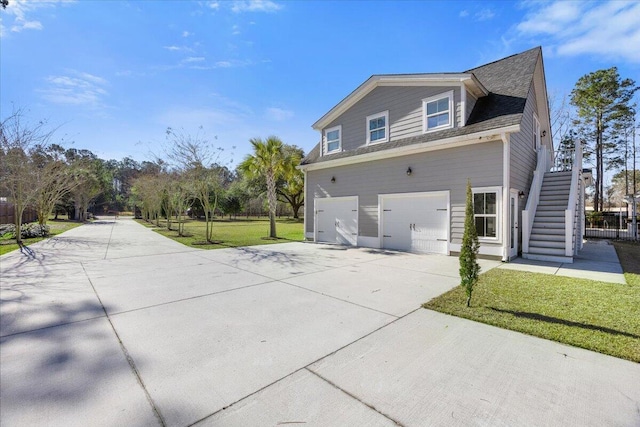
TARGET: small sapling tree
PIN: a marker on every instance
(469, 268)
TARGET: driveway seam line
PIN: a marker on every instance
(302, 368)
(340, 299)
(109, 241)
(193, 297)
(353, 396)
(128, 357)
(51, 326)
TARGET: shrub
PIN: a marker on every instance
(28, 230)
(469, 268)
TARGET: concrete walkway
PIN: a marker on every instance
(597, 260)
(112, 324)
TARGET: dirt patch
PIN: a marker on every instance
(205, 243)
(629, 255)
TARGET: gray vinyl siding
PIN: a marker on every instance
(471, 102)
(405, 112)
(523, 155)
(432, 171)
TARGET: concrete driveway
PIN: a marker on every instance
(111, 324)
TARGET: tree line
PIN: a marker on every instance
(604, 120)
(189, 177)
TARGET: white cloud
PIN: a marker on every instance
(213, 5)
(233, 63)
(22, 11)
(463, 13)
(255, 6)
(220, 64)
(484, 15)
(174, 48)
(610, 29)
(235, 30)
(76, 88)
(186, 34)
(20, 25)
(194, 59)
(550, 19)
(278, 114)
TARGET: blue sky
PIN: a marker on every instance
(114, 74)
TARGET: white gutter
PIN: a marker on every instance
(506, 194)
(440, 144)
(304, 211)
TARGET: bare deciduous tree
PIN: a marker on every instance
(195, 158)
(54, 179)
(18, 140)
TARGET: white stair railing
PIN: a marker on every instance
(573, 158)
(529, 212)
(564, 160)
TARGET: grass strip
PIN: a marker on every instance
(8, 244)
(232, 233)
(598, 316)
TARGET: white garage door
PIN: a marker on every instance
(415, 222)
(337, 220)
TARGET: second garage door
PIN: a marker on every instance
(415, 222)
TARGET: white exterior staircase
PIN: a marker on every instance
(553, 217)
(548, 232)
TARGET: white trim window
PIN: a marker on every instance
(437, 112)
(378, 128)
(487, 203)
(536, 132)
(333, 139)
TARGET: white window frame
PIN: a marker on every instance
(536, 132)
(326, 142)
(498, 214)
(384, 114)
(425, 122)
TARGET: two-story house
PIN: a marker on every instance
(395, 156)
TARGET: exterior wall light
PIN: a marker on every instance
(333, 179)
(409, 171)
(521, 194)
(543, 133)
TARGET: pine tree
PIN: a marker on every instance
(602, 98)
(469, 268)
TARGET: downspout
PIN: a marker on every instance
(506, 175)
(304, 220)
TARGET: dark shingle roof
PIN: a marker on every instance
(508, 81)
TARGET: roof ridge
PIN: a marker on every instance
(539, 48)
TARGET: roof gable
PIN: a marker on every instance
(440, 79)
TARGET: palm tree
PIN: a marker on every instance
(266, 161)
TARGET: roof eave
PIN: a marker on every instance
(455, 141)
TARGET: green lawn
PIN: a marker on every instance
(233, 233)
(598, 316)
(8, 244)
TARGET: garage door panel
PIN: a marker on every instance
(337, 220)
(416, 223)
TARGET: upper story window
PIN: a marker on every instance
(438, 112)
(333, 139)
(536, 132)
(378, 128)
